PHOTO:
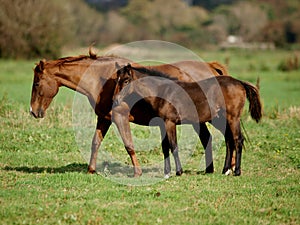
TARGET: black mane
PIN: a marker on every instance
(154, 73)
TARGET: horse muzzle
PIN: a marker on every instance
(38, 114)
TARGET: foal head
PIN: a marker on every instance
(44, 88)
(124, 77)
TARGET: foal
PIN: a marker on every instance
(218, 100)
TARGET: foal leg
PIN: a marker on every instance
(206, 140)
(222, 125)
(236, 144)
(120, 118)
(229, 151)
(165, 147)
(171, 135)
(230, 146)
(239, 149)
(101, 130)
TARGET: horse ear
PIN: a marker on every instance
(130, 70)
(117, 66)
(41, 66)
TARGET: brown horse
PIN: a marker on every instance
(218, 100)
(91, 76)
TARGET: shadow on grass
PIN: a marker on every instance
(74, 167)
(114, 169)
(117, 169)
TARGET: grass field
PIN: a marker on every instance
(43, 173)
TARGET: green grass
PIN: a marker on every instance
(43, 173)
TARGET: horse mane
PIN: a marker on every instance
(153, 72)
(71, 59)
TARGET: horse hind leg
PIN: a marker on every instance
(101, 130)
(223, 126)
(171, 135)
(236, 144)
(165, 147)
(229, 152)
(239, 147)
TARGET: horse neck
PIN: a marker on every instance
(71, 76)
(146, 86)
(86, 77)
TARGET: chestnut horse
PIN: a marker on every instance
(218, 100)
(91, 76)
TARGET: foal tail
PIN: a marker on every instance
(255, 107)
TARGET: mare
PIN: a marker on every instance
(218, 100)
(91, 75)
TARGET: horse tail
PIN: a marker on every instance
(255, 106)
(218, 68)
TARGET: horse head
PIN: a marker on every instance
(44, 88)
(124, 77)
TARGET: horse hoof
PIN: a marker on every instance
(179, 173)
(209, 169)
(137, 172)
(167, 176)
(237, 173)
(91, 171)
(228, 172)
(233, 168)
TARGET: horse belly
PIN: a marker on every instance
(192, 113)
(142, 113)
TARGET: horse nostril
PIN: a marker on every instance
(40, 113)
(33, 114)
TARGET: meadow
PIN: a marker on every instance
(43, 172)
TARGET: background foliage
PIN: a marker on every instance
(41, 28)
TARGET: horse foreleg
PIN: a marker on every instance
(120, 116)
(101, 129)
(206, 140)
(172, 138)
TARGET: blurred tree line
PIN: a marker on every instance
(41, 28)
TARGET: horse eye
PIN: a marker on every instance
(36, 84)
(126, 82)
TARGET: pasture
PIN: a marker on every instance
(44, 180)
